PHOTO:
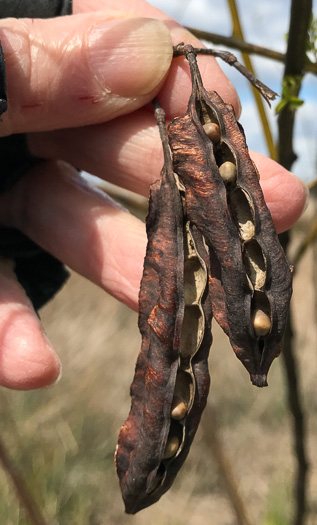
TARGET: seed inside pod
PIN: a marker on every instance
(192, 331)
(171, 447)
(194, 280)
(242, 211)
(255, 264)
(183, 395)
(261, 323)
(179, 408)
(212, 131)
(261, 314)
(228, 172)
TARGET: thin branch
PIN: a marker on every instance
(294, 65)
(299, 422)
(210, 428)
(237, 31)
(23, 495)
(312, 185)
(307, 241)
(252, 49)
(230, 59)
(301, 11)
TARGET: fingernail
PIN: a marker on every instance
(130, 57)
(59, 367)
(307, 196)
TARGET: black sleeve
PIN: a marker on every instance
(35, 8)
(39, 272)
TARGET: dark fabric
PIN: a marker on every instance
(39, 272)
(16, 160)
(35, 8)
(3, 83)
(41, 276)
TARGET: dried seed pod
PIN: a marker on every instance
(218, 210)
(155, 440)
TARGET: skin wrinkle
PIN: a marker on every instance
(126, 289)
(62, 91)
(145, 145)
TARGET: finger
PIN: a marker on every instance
(286, 195)
(128, 152)
(82, 69)
(27, 359)
(89, 68)
(176, 90)
(81, 226)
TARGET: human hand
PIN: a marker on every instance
(101, 124)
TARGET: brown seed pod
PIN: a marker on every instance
(211, 245)
(231, 214)
(171, 382)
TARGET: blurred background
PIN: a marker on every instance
(241, 466)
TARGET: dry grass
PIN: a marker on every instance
(63, 438)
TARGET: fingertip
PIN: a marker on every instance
(290, 201)
(27, 358)
(286, 194)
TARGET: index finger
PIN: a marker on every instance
(175, 93)
(92, 67)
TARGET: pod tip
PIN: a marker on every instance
(259, 380)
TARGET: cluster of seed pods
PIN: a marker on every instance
(212, 251)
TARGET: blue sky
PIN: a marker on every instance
(263, 23)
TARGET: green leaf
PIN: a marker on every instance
(311, 45)
(282, 104)
(290, 89)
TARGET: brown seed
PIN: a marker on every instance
(261, 323)
(171, 447)
(212, 131)
(228, 172)
(179, 408)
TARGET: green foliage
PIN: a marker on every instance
(290, 88)
(311, 46)
(279, 505)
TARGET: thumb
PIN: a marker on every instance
(81, 69)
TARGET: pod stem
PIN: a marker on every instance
(230, 59)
